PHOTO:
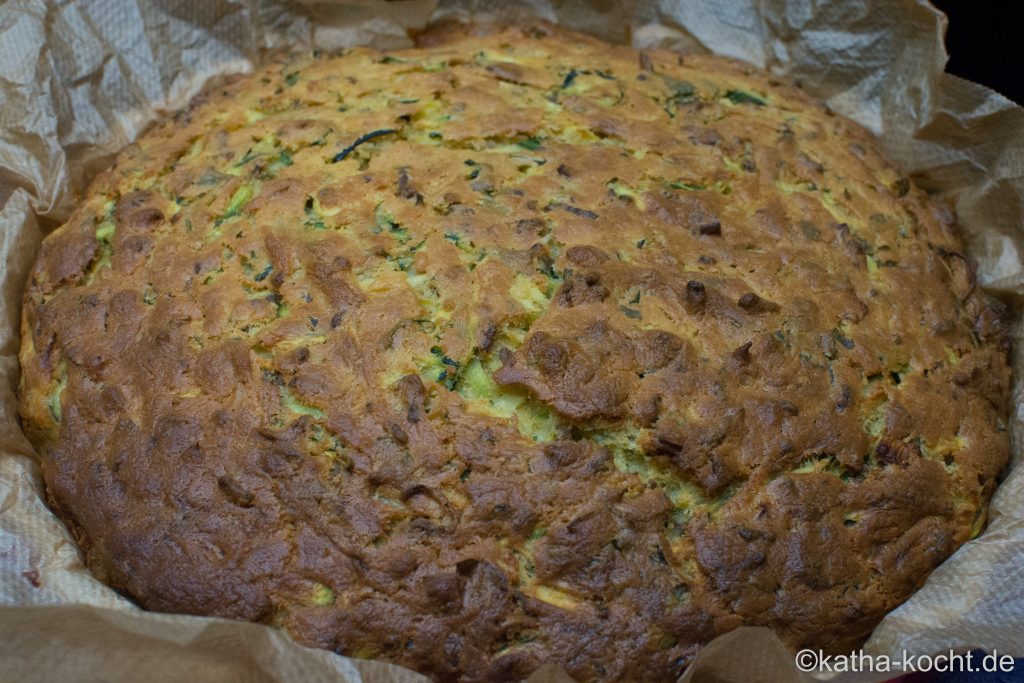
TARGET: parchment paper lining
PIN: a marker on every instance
(79, 80)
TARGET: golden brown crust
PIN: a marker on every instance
(514, 349)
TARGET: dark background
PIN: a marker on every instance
(985, 42)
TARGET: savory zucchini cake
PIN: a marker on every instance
(514, 348)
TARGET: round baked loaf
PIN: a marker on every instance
(516, 348)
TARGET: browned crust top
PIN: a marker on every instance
(517, 348)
